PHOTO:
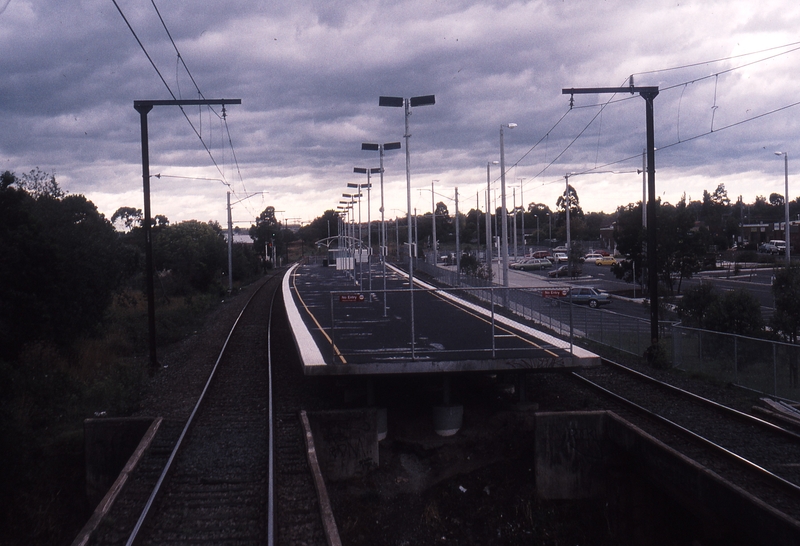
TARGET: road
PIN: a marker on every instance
(757, 281)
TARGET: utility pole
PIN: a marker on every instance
(648, 93)
(144, 107)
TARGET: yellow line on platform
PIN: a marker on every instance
(336, 351)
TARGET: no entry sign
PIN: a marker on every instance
(554, 293)
(351, 298)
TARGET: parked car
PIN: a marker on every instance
(768, 248)
(560, 257)
(520, 265)
(565, 271)
(605, 260)
(536, 264)
(592, 256)
(779, 245)
(590, 296)
(543, 254)
(560, 249)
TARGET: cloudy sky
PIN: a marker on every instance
(309, 74)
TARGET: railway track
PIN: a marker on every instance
(756, 455)
(216, 478)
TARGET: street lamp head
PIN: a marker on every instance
(423, 100)
(781, 153)
(390, 101)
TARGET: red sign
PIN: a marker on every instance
(555, 293)
(351, 298)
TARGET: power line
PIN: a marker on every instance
(153, 64)
(795, 47)
(223, 116)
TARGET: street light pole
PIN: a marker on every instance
(567, 207)
(514, 209)
(788, 230)
(368, 185)
(433, 220)
(522, 204)
(489, 216)
(407, 104)
(504, 211)
(384, 245)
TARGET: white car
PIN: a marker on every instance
(560, 257)
(593, 256)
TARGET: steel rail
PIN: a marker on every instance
(271, 443)
(750, 465)
(752, 419)
(167, 467)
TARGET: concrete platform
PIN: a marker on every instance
(343, 328)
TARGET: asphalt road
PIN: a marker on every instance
(757, 281)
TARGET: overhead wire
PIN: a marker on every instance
(795, 47)
(172, 94)
(223, 116)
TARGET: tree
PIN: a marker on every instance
(694, 307)
(720, 196)
(267, 232)
(569, 197)
(629, 236)
(776, 200)
(194, 254)
(38, 183)
(59, 270)
(736, 312)
(129, 216)
(320, 227)
(786, 290)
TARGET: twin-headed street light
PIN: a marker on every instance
(407, 104)
(368, 185)
(384, 246)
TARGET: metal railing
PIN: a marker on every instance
(604, 326)
(769, 367)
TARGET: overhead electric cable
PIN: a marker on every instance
(197, 87)
(153, 64)
(795, 47)
(692, 65)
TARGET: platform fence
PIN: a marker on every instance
(622, 332)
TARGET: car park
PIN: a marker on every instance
(565, 271)
(605, 260)
(589, 296)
